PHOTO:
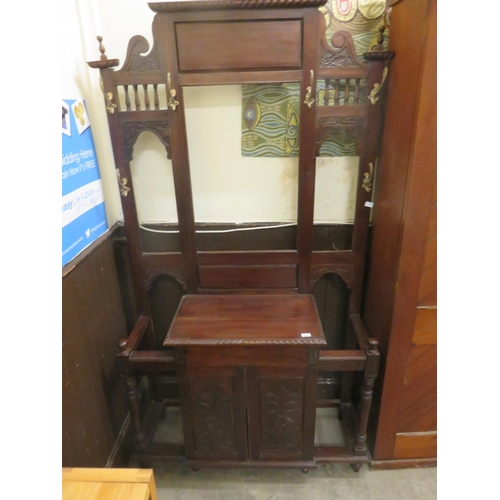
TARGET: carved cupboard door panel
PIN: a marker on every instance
(218, 412)
(275, 413)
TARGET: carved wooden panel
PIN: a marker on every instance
(343, 270)
(343, 52)
(176, 272)
(353, 125)
(212, 409)
(281, 412)
(257, 45)
(131, 131)
(136, 61)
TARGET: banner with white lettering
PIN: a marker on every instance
(83, 211)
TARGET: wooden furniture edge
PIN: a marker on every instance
(119, 475)
(72, 264)
(413, 463)
(133, 340)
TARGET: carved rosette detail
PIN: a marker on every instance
(281, 415)
(354, 125)
(176, 272)
(343, 270)
(132, 130)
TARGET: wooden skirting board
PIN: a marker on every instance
(403, 464)
(415, 445)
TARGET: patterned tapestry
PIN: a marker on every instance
(271, 113)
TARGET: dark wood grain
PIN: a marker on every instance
(93, 398)
(258, 45)
(403, 206)
(307, 171)
(342, 360)
(247, 335)
(246, 320)
(237, 356)
(201, 5)
(234, 277)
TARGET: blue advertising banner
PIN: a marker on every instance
(83, 211)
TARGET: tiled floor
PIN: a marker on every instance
(327, 482)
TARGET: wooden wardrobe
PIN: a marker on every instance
(400, 307)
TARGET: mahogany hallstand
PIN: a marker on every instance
(246, 344)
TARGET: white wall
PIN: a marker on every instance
(79, 27)
(226, 186)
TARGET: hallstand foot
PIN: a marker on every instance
(305, 470)
(356, 467)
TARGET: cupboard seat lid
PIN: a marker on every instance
(246, 319)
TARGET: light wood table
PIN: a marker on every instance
(108, 484)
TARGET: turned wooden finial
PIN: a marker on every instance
(102, 50)
(373, 343)
(122, 344)
(380, 39)
(104, 62)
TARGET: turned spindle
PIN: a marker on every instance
(103, 62)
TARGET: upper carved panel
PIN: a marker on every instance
(135, 61)
(342, 54)
(132, 130)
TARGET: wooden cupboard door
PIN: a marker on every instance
(275, 413)
(217, 407)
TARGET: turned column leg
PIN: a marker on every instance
(127, 375)
(370, 374)
(133, 399)
(366, 403)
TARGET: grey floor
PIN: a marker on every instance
(326, 482)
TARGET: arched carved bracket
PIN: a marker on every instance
(132, 130)
(135, 61)
(175, 272)
(343, 270)
(354, 125)
(342, 54)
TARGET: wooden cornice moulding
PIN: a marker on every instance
(192, 5)
(243, 342)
